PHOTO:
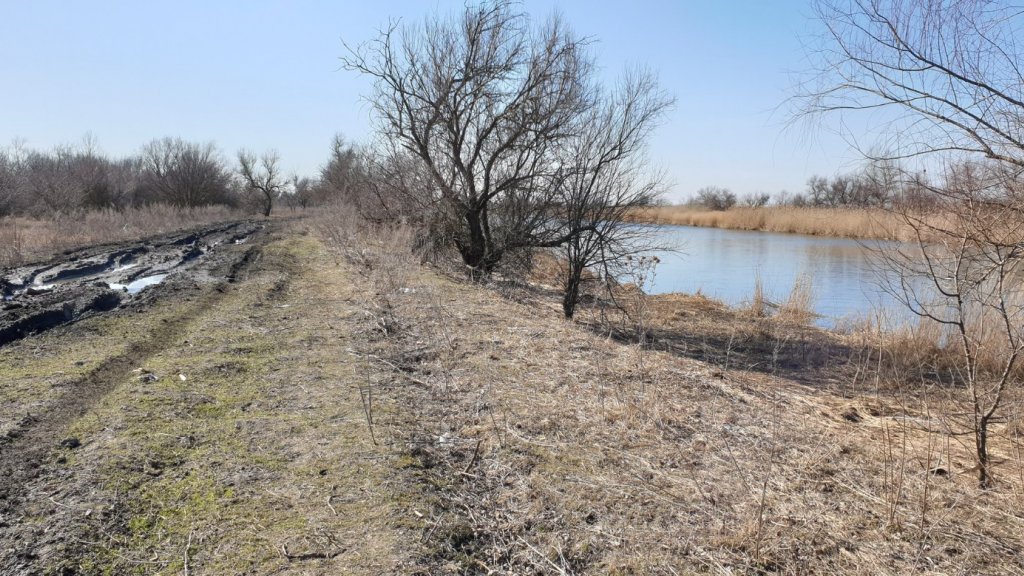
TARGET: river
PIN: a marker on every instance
(724, 264)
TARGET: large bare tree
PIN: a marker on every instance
(484, 100)
(945, 79)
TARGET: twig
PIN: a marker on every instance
(188, 545)
(560, 569)
(476, 452)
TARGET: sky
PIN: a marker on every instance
(267, 75)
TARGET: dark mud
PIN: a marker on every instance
(80, 283)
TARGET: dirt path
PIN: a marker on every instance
(28, 439)
(216, 428)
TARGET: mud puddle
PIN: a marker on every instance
(76, 284)
(138, 285)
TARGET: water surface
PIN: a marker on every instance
(724, 264)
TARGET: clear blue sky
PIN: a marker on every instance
(266, 75)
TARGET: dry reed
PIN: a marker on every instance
(834, 222)
(799, 305)
(758, 305)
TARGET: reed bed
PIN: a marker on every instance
(835, 222)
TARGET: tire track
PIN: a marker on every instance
(24, 450)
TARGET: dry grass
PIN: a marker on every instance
(558, 455)
(24, 239)
(834, 222)
(474, 434)
(798, 308)
(758, 306)
(547, 447)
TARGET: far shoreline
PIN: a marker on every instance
(850, 223)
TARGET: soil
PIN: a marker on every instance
(193, 266)
(41, 296)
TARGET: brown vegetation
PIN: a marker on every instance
(833, 222)
(695, 438)
(343, 408)
(23, 239)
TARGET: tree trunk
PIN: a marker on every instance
(981, 444)
(572, 290)
(268, 206)
(475, 251)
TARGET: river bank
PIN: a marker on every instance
(865, 224)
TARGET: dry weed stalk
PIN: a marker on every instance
(762, 503)
(799, 305)
(895, 468)
(366, 400)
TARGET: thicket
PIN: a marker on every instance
(69, 179)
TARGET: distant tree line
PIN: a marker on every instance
(169, 171)
(878, 185)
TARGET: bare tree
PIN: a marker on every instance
(395, 184)
(302, 192)
(716, 198)
(607, 178)
(483, 101)
(124, 179)
(48, 182)
(381, 183)
(340, 176)
(184, 174)
(757, 199)
(8, 184)
(946, 76)
(262, 177)
(963, 271)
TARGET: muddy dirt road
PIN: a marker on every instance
(208, 423)
(79, 283)
(112, 307)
